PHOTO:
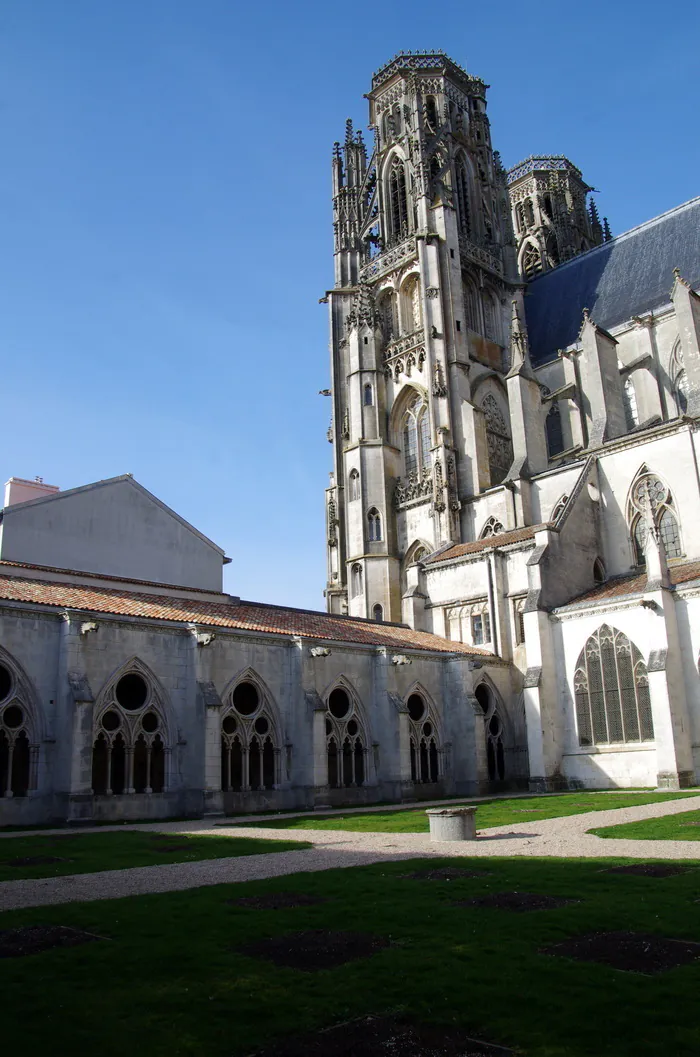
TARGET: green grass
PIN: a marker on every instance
(90, 852)
(489, 813)
(685, 826)
(168, 981)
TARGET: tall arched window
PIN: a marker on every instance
(16, 748)
(493, 728)
(612, 691)
(462, 182)
(378, 613)
(131, 745)
(500, 447)
(431, 113)
(346, 744)
(374, 525)
(411, 311)
(398, 204)
(491, 328)
(650, 493)
(471, 311)
(629, 397)
(250, 749)
(356, 580)
(423, 741)
(368, 395)
(416, 438)
(354, 485)
(553, 430)
(532, 261)
(387, 314)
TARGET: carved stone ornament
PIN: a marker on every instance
(346, 425)
(412, 488)
(439, 387)
(432, 292)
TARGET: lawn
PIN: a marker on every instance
(167, 979)
(671, 827)
(90, 852)
(489, 813)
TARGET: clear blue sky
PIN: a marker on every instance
(166, 224)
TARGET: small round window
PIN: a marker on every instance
(13, 717)
(131, 692)
(150, 722)
(5, 682)
(261, 725)
(229, 725)
(111, 720)
(416, 707)
(339, 704)
(245, 699)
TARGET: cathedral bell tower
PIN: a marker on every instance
(425, 271)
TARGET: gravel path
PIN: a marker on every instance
(557, 837)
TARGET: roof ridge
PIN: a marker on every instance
(618, 238)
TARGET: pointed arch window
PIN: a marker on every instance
(416, 438)
(387, 314)
(611, 689)
(629, 397)
(354, 485)
(423, 740)
(554, 431)
(494, 731)
(17, 751)
(356, 580)
(463, 197)
(411, 310)
(374, 525)
(250, 750)
(346, 742)
(650, 493)
(398, 203)
(131, 747)
(471, 311)
(493, 527)
(368, 395)
(491, 327)
(500, 447)
(532, 261)
(431, 113)
(378, 613)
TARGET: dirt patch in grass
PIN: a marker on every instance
(166, 849)
(383, 1037)
(36, 860)
(634, 952)
(315, 949)
(277, 901)
(32, 939)
(649, 869)
(447, 873)
(518, 901)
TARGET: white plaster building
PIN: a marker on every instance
(515, 463)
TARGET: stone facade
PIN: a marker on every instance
(506, 452)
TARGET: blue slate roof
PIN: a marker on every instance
(625, 277)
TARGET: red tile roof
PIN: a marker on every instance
(503, 539)
(247, 616)
(636, 584)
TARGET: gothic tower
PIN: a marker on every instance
(551, 220)
(420, 315)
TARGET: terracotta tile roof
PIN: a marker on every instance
(636, 584)
(103, 576)
(502, 540)
(247, 616)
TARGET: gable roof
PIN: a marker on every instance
(228, 613)
(625, 277)
(108, 482)
(634, 584)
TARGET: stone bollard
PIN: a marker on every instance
(452, 823)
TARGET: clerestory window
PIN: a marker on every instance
(416, 438)
(611, 688)
(374, 525)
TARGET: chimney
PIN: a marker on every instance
(17, 490)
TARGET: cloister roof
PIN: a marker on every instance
(503, 539)
(228, 613)
(635, 584)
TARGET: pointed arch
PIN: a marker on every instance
(497, 727)
(492, 527)
(611, 691)
(410, 422)
(388, 313)
(649, 491)
(425, 736)
(418, 550)
(558, 508)
(251, 734)
(411, 308)
(492, 321)
(530, 259)
(347, 735)
(132, 733)
(21, 729)
(553, 430)
(396, 197)
(493, 400)
(464, 183)
(471, 303)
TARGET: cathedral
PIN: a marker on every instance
(513, 587)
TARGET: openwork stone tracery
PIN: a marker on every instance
(250, 742)
(611, 687)
(346, 741)
(131, 749)
(18, 749)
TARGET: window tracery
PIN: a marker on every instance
(130, 746)
(650, 493)
(356, 580)
(354, 485)
(469, 623)
(554, 431)
(18, 753)
(493, 527)
(374, 525)
(611, 689)
(500, 447)
(411, 309)
(346, 743)
(250, 750)
(416, 438)
(463, 197)
(494, 731)
(423, 740)
(532, 261)
(398, 203)
(558, 508)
